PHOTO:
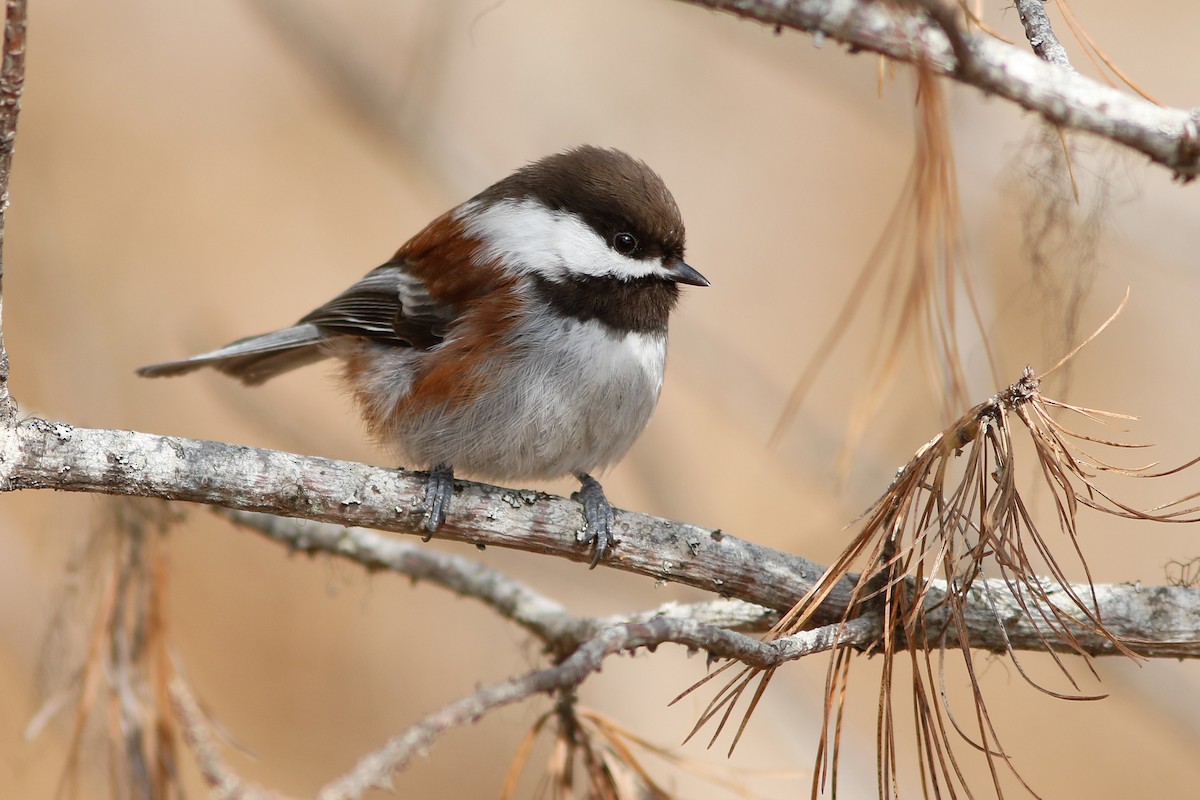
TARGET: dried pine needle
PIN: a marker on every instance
(952, 515)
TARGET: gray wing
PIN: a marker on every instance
(388, 305)
(253, 359)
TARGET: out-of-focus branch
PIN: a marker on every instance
(545, 618)
(1168, 136)
(395, 115)
(224, 783)
(377, 768)
(542, 616)
(996, 617)
(12, 83)
(1040, 34)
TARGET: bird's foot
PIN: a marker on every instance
(439, 488)
(598, 514)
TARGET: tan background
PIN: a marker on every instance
(184, 177)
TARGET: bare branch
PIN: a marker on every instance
(992, 613)
(1168, 136)
(730, 614)
(37, 454)
(946, 15)
(12, 83)
(542, 616)
(223, 782)
(1039, 33)
(1153, 621)
(376, 768)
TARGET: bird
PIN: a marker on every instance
(521, 335)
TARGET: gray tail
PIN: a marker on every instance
(254, 359)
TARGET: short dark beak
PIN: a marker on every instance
(682, 273)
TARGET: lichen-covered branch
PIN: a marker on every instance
(37, 454)
(1168, 136)
(1040, 33)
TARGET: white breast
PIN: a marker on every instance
(568, 397)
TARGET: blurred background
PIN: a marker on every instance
(189, 173)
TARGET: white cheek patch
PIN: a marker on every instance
(534, 240)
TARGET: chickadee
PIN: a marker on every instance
(520, 335)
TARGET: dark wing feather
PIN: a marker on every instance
(389, 305)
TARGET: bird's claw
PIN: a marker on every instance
(598, 514)
(439, 489)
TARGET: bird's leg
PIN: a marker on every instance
(439, 488)
(598, 513)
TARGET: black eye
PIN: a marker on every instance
(624, 243)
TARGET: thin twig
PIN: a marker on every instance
(223, 782)
(1040, 34)
(542, 616)
(1168, 136)
(12, 83)
(376, 769)
(545, 618)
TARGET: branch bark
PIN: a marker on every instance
(12, 84)
(376, 769)
(37, 454)
(40, 454)
(1040, 34)
(1063, 97)
(541, 616)
(223, 782)
(996, 618)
